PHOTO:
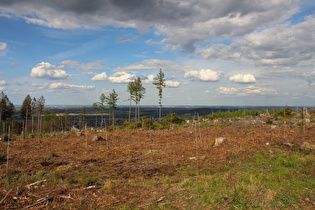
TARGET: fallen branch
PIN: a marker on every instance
(5, 196)
(90, 187)
(147, 204)
(87, 188)
(46, 198)
(68, 197)
(157, 201)
(160, 199)
(36, 196)
(35, 183)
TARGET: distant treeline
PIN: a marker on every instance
(33, 117)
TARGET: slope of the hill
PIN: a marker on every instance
(145, 168)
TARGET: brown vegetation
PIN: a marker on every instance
(81, 173)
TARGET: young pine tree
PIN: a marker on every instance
(160, 83)
(111, 101)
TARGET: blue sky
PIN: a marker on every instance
(212, 52)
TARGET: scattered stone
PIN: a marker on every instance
(267, 143)
(307, 145)
(97, 138)
(273, 126)
(218, 141)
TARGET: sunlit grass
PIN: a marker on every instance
(272, 178)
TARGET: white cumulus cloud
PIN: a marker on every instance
(246, 91)
(152, 64)
(3, 83)
(282, 45)
(243, 78)
(3, 46)
(49, 71)
(148, 79)
(250, 90)
(63, 85)
(99, 77)
(205, 75)
(172, 84)
(226, 90)
(121, 77)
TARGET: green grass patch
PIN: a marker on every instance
(272, 178)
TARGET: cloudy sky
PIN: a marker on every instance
(213, 52)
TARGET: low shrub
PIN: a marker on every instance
(269, 121)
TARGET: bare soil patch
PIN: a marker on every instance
(81, 173)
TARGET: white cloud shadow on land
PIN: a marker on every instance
(46, 70)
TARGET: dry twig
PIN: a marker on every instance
(35, 183)
(5, 196)
(46, 198)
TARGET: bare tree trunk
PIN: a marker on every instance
(129, 110)
(8, 150)
(37, 123)
(102, 124)
(3, 129)
(50, 127)
(139, 112)
(160, 113)
(136, 113)
(105, 123)
(113, 119)
(32, 123)
(26, 122)
(41, 124)
(1, 119)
